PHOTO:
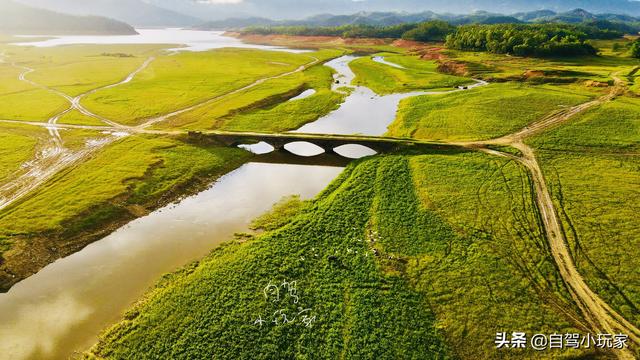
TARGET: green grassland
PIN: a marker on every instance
(459, 260)
(482, 113)
(18, 144)
(265, 107)
(22, 101)
(123, 181)
(562, 70)
(417, 75)
(284, 114)
(591, 164)
(75, 117)
(184, 79)
(76, 69)
(613, 127)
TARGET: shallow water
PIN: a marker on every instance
(191, 40)
(63, 307)
(363, 111)
(381, 60)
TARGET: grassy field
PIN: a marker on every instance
(610, 128)
(179, 81)
(266, 107)
(591, 164)
(18, 144)
(76, 69)
(445, 280)
(123, 181)
(75, 117)
(562, 70)
(22, 101)
(71, 69)
(280, 113)
(482, 113)
(417, 75)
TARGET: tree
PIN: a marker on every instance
(430, 31)
(635, 49)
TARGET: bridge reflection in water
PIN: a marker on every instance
(316, 149)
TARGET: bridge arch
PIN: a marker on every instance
(354, 151)
(304, 148)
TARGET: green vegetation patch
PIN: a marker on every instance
(137, 173)
(75, 117)
(282, 112)
(17, 145)
(22, 101)
(482, 113)
(178, 81)
(280, 215)
(382, 269)
(76, 69)
(611, 127)
(527, 39)
(417, 75)
(591, 164)
(598, 201)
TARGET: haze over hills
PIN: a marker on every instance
(194, 12)
(17, 18)
(298, 9)
(135, 12)
(622, 22)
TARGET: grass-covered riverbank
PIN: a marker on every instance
(387, 264)
(125, 180)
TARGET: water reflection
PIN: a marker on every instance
(363, 111)
(303, 148)
(259, 148)
(354, 151)
(63, 307)
(193, 40)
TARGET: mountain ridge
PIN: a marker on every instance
(17, 18)
(135, 12)
(394, 18)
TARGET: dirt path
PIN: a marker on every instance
(52, 156)
(155, 120)
(598, 313)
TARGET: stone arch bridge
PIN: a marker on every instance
(328, 143)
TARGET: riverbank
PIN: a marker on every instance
(30, 252)
(372, 267)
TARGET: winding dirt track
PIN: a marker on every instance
(54, 157)
(598, 313)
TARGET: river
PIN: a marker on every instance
(187, 40)
(60, 310)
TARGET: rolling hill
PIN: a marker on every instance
(135, 12)
(17, 18)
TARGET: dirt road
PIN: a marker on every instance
(599, 314)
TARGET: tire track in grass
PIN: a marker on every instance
(602, 317)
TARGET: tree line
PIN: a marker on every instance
(543, 40)
(523, 40)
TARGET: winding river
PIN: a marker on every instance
(60, 310)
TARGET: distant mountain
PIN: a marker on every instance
(623, 23)
(135, 12)
(17, 18)
(299, 9)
